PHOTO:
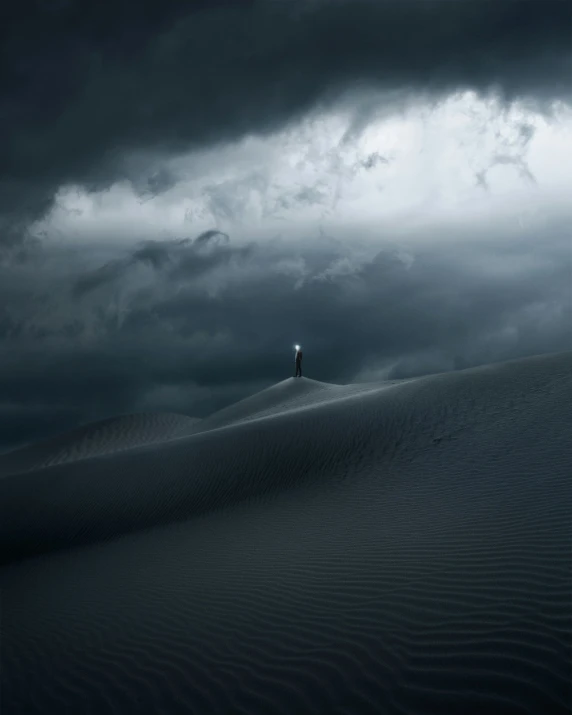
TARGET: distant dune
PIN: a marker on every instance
(97, 438)
(314, 549)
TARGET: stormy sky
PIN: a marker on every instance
(189, 188)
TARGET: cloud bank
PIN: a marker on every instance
(87, 86)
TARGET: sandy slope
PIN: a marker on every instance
(97, 438)
(285, 396)
(394, 549)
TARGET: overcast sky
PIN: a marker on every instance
(189, 188)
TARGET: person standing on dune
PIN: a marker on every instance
(298, 360)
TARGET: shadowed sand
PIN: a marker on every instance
(314, 549)
(97, 438)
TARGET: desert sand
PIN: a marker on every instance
(315, 549)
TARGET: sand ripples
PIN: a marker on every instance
(401, 550)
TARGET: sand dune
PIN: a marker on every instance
(315, 549)
(290, 394)
(97, 438)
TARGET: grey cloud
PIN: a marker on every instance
(527, 132)
(85, 84)
(228, 201)
(105, 274)
(481, 179)
(208, 237)
(512, 153)
(179, 256)
(279, 201)
(373, 160)
(518, 162)
(157, 183)
(310, 195)
(156, 253)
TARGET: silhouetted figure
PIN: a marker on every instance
(298, 360)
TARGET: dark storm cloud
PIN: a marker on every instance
(85, 84)
(158, 183)
(180, 343)
(175, 257)
(107, 273)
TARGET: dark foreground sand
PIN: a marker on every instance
(315, 549)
